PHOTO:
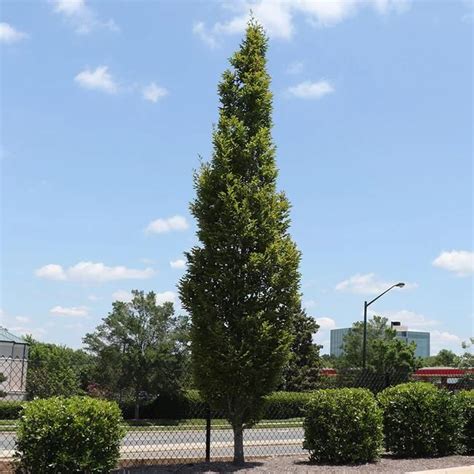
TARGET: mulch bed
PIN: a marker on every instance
(300, 464)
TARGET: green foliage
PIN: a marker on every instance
(444, 358)
(466, 360)
(343, 426)
(385, 353)
(55, 370)
(73, 435)
(170, 406)
(242, 283)
(466, 398)
(302, 370)
(282, 405)
(421, 420)
(10, 410)
(140, 350)
(2, 379)
(190, 404)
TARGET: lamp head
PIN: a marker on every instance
(400, 285)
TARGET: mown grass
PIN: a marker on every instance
(199, 424)
(181, 425)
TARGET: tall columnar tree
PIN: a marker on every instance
(242, 283)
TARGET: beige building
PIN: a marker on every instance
(13, 365)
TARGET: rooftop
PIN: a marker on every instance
(6, 336)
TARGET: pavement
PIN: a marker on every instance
(449, 470)
(191, 444)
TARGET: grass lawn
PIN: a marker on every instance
(180, 425)
(199, 424)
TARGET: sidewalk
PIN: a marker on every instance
(449, 470)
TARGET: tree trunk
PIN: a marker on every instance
(137, 408)
(238, 443)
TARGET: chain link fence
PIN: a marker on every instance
(179, 430)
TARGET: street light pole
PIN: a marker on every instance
(364, 341)
(366, 305)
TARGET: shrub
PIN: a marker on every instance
(73, 435)
(282, 405)
(343, 426)
(466, 398)
(189, 404)
(421, 420)
(10, 410)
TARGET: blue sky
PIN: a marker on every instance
(107, 106)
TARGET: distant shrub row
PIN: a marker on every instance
(351, 425)
(278, 405)
(10, 410)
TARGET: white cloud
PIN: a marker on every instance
(126, 296)
(199, 29)
(92, 272)
(444, 340)
(22, 319)
(9, 34)
(82, 18)
(161, 226)
(51, 272)
(98, 79)
(409, 318)
(166, 296)
(308, 304)
(367, 284)
(16, 325)
(295, 67)
(180, 263)
(326, 324)
(460, 262)
(153, 93)
(94, 298)
(36, 332)
(72, 311)
(322, 337)
(122, 295)
(277, 16)
(311, 90)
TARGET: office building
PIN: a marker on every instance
(420, 338)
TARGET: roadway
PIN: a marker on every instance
(190, 444)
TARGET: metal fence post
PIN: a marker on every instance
(208, 434)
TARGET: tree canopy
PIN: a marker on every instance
(242, 283)
(140, 349)
(384, 351)
(302, 370)
(55, 370)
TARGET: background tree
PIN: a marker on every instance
(444, 358)
(138, 349)
(241, 286)
(55, 370)
(302, 370)
(385, 353)
(2, 379)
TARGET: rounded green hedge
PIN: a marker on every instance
(466, 397)
(421, 420)
(343, 426)
(73, 435)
